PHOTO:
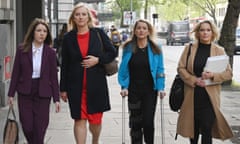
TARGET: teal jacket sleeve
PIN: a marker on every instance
(160, 75)
(123, 72)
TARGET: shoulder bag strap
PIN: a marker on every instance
(99, 37)
(189, 51)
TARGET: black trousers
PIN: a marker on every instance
(142, 106)
(203, 120)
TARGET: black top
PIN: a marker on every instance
(139, 69)
(201, 97)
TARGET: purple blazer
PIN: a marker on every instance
(21, 80)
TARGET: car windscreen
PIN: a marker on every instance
(180, 27)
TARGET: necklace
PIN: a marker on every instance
(142, 49)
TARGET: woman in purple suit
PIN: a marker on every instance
(35, 80)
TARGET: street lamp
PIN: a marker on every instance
(56, 15)
(131, 18)
(154, 16)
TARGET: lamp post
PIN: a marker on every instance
(131, 16)
(154, 16)
(131, 11)
(56, 15)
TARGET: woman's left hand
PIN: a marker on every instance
(207, 75)
(57, 107)
(161, 94)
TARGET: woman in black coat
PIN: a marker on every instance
(83, 81)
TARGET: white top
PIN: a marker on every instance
(37, 60)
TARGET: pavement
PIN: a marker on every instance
(60, 130)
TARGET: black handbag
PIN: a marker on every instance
(10, 134)
(112, 67)
(176, 96)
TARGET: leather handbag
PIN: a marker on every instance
(176, 96)
(11, 129)
(112, 67)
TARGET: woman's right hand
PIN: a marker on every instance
(10, 100)
(64, 96)
(124, 92)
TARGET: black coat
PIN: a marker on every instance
(72, 72)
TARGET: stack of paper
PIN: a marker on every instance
(216, 64)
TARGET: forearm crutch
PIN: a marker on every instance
(123, 120)
(162, 121)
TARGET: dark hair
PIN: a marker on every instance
(29, 36)
(63, 31)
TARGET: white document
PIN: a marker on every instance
(216, 64)
(210, 82)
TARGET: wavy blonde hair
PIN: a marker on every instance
(215, 32)
(151, 37)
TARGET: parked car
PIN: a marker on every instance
(237, 47)
(178, 32)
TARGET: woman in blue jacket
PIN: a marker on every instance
(141, 76)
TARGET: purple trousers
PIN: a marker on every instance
(34, 114)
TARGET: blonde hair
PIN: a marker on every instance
(215, 32)
(72, 25)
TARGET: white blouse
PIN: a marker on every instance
(37, 60)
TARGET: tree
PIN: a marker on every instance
(124, 5)
(169, 12)
(175, 10)
(227, 39)
(208, 6)
(155, 3)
